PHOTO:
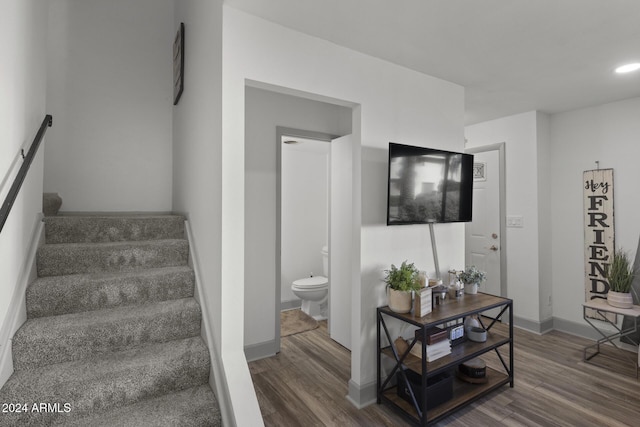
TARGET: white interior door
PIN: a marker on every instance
(341, 240)
(482, 235)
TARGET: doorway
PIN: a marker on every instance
(485, 236)
(315, 213)
(268, 110)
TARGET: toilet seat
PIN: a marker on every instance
(311, 282)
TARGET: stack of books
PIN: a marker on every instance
(438, 345)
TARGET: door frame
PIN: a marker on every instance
(502, 189)
(295, 133)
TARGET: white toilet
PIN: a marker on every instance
(313, 291)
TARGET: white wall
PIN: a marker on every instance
(609, 134)
(545, 216)
(265, 110)
(546, 156)
(393, 104)
(305, 212)
(109, 88)
(197, 183)
(23, 25)
(519, 133)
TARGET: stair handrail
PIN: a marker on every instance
(22, 173)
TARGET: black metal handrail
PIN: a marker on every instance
(22, 173)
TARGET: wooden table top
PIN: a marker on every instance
(452, 308)
(602, 305)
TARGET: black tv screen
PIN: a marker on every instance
(427, 185)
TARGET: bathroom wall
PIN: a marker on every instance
(305, 207)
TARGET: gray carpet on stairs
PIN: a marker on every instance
(48, 296)
(113, 228)
(113, 331)
(49, 340)
(99, 384)
(77, 258)
(196, 406)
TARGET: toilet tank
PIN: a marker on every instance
(325, 261)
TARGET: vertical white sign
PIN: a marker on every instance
(599, 234)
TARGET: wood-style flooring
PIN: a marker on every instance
(306, 385)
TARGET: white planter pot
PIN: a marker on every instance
(399, 301)
(620, 299)
(471, 288)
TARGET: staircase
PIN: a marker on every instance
(112, 336)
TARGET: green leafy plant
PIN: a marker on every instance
(404, 278)
(472, 275)
(620, 272)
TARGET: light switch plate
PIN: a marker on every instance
(515, 221)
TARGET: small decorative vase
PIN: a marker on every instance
(471, 288)
(399, 301)
(471, 322)
(620, 299)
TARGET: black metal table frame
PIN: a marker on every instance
(399, 358)
(620, 332)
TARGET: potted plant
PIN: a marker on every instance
(400, 282)
(620, 275)
(472, 277)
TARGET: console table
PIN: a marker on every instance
(601, 306)
(452, 310)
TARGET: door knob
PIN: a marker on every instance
(493, 248)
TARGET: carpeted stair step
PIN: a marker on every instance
(78, 258)
(50, 340)
(112, 336)
(97, 385)
(49, 296)
(194, 407)
(103, 229)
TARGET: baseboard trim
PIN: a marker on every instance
(217, 377)
(362, 396)
(578, 329)
(557, 324)
(546, 325)
(17, 313)
(260, 350)
(533, 325)
(266, 349)
(290, 305)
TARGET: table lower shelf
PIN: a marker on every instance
(464, 351)
(463, 393)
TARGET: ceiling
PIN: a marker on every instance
(511, 56)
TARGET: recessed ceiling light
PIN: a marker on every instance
(628, 68)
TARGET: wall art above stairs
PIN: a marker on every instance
(112, 335)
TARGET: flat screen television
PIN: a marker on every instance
(426, 185)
